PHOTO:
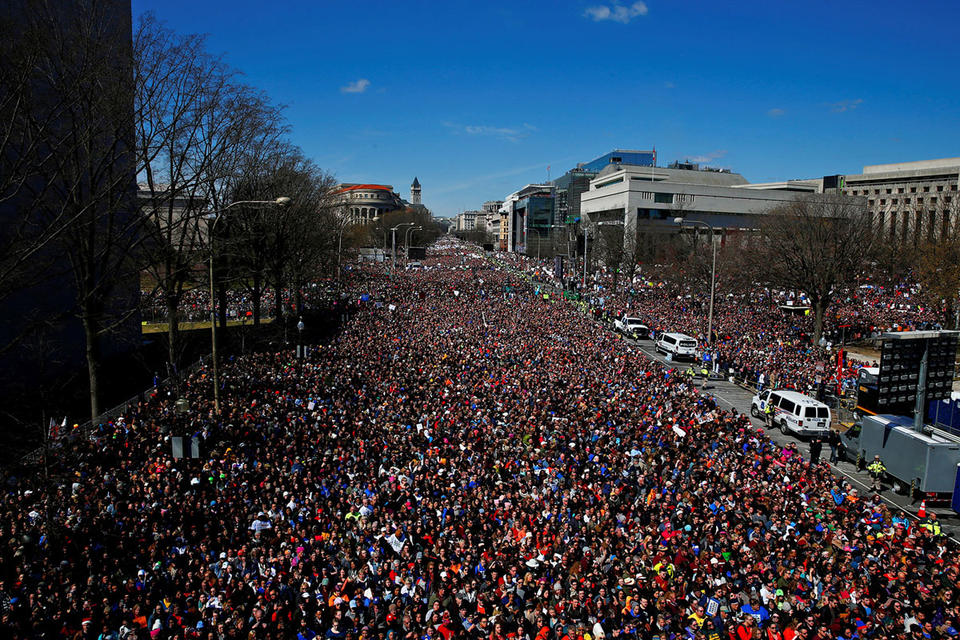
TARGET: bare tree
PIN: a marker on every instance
(195, 125)
(937, 262)
(815, 245)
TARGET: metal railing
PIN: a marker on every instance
(85, 429)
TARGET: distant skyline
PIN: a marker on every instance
(479, 99)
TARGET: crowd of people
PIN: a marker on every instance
(761, 336)
(466, 459)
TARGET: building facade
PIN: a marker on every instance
(647, 200)
(567, 191)
(364, 203)
(909, 202)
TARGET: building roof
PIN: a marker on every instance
(366, 187)
(918, 165)
(683, 176)
(416, 183)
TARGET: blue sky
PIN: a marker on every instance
(477, 99)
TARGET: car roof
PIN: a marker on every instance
(679, 336)
(798, 398)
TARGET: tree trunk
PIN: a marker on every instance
(280, 308)
(91, 333)
(173, 332)
(819, 310)
(222, 305)
(256, 293)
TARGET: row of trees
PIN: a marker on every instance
(81, 123)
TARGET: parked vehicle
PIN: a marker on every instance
(793, 412)
(633, 327)
(677, 345)
(922, 464)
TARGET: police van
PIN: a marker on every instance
(677, 345)
(793, 411)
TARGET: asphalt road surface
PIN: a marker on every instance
(733, 396)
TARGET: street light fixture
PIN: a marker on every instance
(301, 348)
(406, 239)
(393, 251)
(586, 236)
(713, 270)
(539, 229)
(213, 219)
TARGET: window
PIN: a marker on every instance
(900, 190)
(889, 191)
(913, 189)
(939, 188)
(883, 201)
(663, 198)
(823, 412)
(870, 202)
(926, 189)
(787, 405)
(608, 183)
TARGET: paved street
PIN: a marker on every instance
(734, 396)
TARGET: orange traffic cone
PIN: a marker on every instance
(923, 509)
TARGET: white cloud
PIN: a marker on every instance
(845, 105)
(616, 12)
(708, 157)
(358, 86)
(776, 112)
(513, 134)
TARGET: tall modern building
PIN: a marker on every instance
(526, 213)
(621, 156)
(568, 189)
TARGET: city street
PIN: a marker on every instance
(735, 397)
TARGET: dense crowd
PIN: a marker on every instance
(464, 460)
(761, 336)
(194, 303)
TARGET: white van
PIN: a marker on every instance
(677, 345)
(793, 411)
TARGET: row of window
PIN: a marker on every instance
(370, 196)
(890, 190)
(933, 200)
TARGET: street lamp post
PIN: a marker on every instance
(393, 235)
(539, 229)
(406, 239)
(214, 218)
(713, 270)
(586, 235)
(586, 241)
(339, 248)
(301, 349)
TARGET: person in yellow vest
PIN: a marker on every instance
(876, 470)
(931, 524)
(768, 412)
